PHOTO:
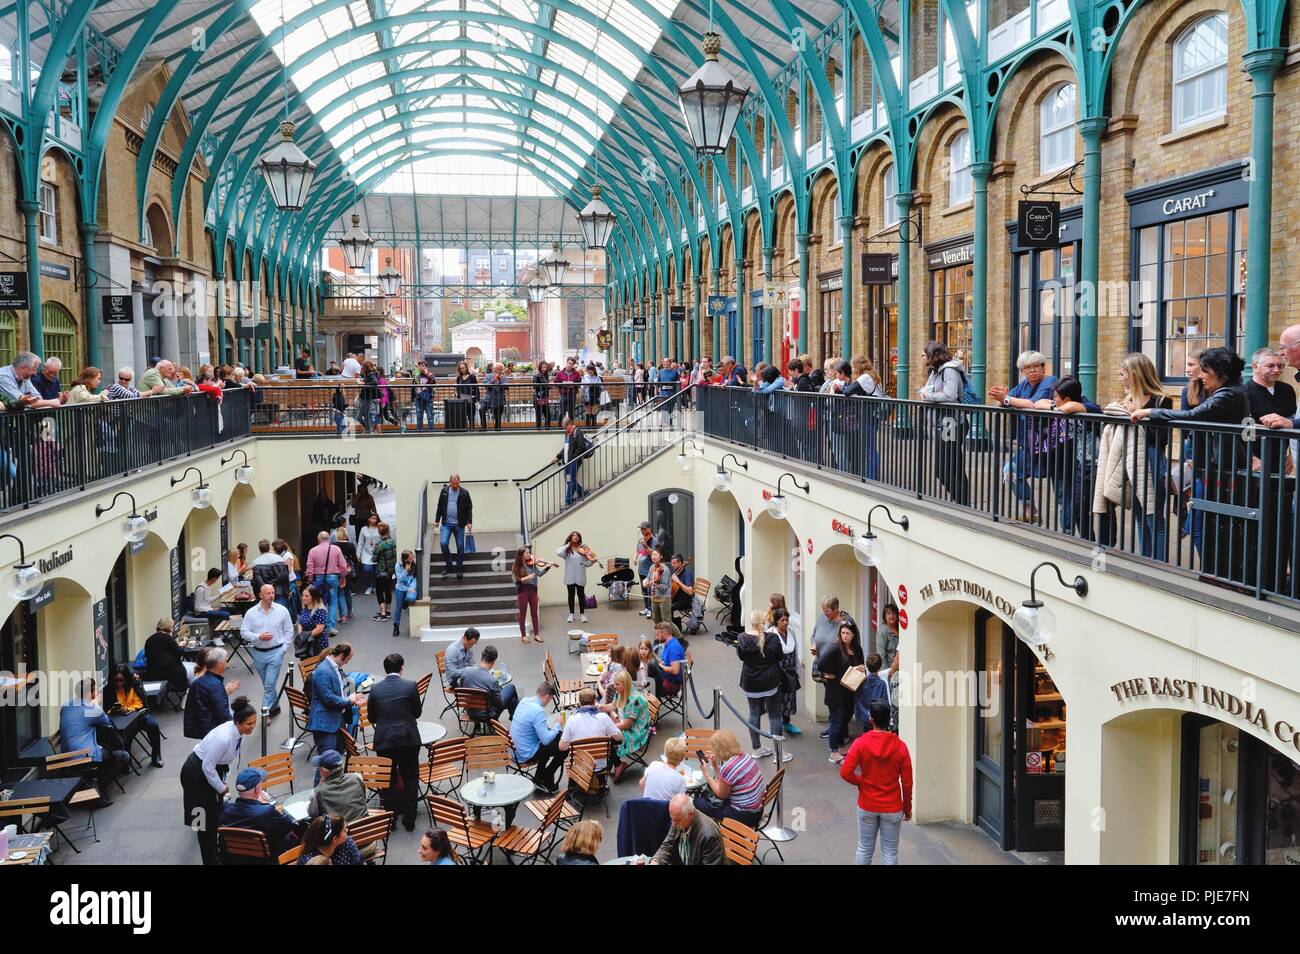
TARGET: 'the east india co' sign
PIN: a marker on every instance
(1038, 222)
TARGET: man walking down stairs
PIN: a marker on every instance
(454, 518)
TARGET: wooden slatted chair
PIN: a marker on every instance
(581, 785)
(472, 711)
(676, 703)
(472, 836)
(90, 797)
(486, 753)
(291, 856)
(527, 768)
(243, 846)
(448, 695)
(308, 666)
(376, 773)
(422, 686)
(531, 845)
(564, 692)
(300, 712)
(443, 772)
(601, 751)
(362, 727)
(601, 642)
(13, 811)
(350, 750)
(374, 828)
(278, 768)
(739, 842)
(770, 794)
(697, 739)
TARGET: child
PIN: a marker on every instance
(872, 689)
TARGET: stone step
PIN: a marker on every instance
(468, 616)
(494, 632)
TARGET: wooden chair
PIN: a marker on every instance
(473, 837)
(601, 751)
(15, 810)
(533, 844)
(697, 739)
(581, 784)
(90, 797)
(422, 686)
(375, 827)
(242, 846)
(564, 692)
(527, 768)
(448, 695)
(362, 727)
(739, 842)
(376, 772)
(676, 703)
(601, 642)
(350, 750)
(278, 768)
(472, 712)
(443, 772)
(638, 757)
(291, 856)
(308, 666)
(300, 712)
(770, 794)
(485, 753)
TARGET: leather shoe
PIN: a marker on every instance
(275, 711)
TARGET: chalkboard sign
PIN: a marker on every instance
(13, 290)
(225, 544)
(119, 309)
(178, 583)
(100, 618)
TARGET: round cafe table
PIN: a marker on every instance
(431, 732)
(506, 792)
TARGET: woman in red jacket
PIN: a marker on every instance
(880, 766)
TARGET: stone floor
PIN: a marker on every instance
(144, 826)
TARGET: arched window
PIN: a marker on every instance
(60, 335)
(1201, 71)
(8, 337)
(960, 185)
(837, 227)
(1056, 129)
(890, 210)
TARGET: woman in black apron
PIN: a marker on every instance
(203, 775)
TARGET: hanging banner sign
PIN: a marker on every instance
(717, 306)
(676, 312)
(1038, 223)
(13, 291)
(118, 309)
(877, 268)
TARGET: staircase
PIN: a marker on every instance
(485, 597)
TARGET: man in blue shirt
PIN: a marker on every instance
(672, 660)
(79, 722)
(254, 809)
(534, 738)
(1034, 390)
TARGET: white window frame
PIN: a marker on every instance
(1188, 84)
(837, 227)
(890, 210)
(49, 216)
(961, 185)
(146, 115)
(1051, 136)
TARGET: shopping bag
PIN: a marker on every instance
(470, 545)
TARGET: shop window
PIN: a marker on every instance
(49, 218)
(960, 185)
(889, 213)
(60, 334)
(952, 305)
(8, 337)
(1201, 71)
(1056, 129)
(1044, 313)
(1192, 292)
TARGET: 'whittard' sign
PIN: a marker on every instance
(334, 460)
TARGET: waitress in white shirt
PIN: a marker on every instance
(203, 776)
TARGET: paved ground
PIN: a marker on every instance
(144, 826)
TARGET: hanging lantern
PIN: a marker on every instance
(597, 220)
(536, 291)
(288, 172)
(390, 279)
(356, 244)
(711, 101)
(553, 266)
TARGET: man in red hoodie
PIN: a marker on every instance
(880, 766)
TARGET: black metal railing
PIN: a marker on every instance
(632, 439)
(1214, 500)
(61, 450)
(410, 408)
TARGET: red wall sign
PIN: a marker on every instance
(902, 595)
(810, 547)
(902, 618)
(843, 528)
(749, 514)
(767, 494)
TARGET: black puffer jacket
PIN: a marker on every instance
(760, 662)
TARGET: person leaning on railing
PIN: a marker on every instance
(86, 389)
(944, 385)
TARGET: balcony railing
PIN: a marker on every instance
(44, 453)
(1217, 502)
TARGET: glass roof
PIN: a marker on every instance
(457, 95)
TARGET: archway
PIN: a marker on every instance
(724, 542)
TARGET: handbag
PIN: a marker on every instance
(853, 679)
(589, 602)
(790, 681)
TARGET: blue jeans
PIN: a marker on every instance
(400, 599)
(268, 665)
(839, 724)
(328, 585)
(572, 489)
(888, 825)
(367, 413)
(444, 537)
(340, 422)
(423, 412)
(344, 598)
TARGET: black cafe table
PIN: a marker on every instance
(57, 790)
(128, 725)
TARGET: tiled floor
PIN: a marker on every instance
(145, 826)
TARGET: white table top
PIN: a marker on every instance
(431, 732)
(508, 789)
(295, 806)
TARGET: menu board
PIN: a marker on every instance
(100, 618)
(178, 584)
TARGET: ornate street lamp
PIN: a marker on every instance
(390, 279)
(711, 101)
(536, 290)
(597, 220)
(553, 266)
(356, 244)
(288, 172)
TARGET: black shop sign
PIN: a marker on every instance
(1038, 223)
(119, 309)
(877, 268)
(677, 313)
(13, 291)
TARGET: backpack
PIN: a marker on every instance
(968, 395)
(694, 621)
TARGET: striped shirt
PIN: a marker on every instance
(745, 777)
(121, 392)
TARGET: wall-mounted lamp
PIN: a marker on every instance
(777, 506)
(720, 478)
(1034, 623)
(134, 528)
(683, 461)
(868, 548)
(202, 494)
(27, 581)
(243, 474)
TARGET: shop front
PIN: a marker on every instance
(951, 283)
(20, 712)
(830, 300)
(1044, 316)
(1019, 784)
(1188, 257)
(880, 304)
